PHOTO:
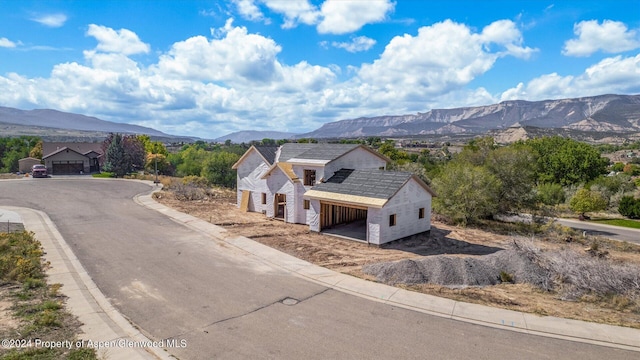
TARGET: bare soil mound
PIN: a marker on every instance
(451, 270)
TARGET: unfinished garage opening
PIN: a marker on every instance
(344, 220)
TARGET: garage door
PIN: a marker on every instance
(68, 168)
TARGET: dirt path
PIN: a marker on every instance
(348, 257)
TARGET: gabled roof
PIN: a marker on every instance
(268, 154)
(318, 153)
(61, 150)
(92, 152)
(286, 168)
(363, 187)
(79, 147)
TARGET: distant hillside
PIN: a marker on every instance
(250, 135)
(610, 113)
(43, 121)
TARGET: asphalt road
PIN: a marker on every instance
(174, 282)
(607, 231)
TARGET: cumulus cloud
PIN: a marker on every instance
(441, 58)
(249, 10)
(117, 41)
(357, 44)
(610, 76)
(608, 37)
(6, 43)
(341, 17)
(51, 20)
(294, 11)
(505, 33)
(236, 56)
(332, 17)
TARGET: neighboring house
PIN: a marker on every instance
(71, 158)
(326, 185)
(25, 164)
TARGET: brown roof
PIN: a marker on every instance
(48, 148)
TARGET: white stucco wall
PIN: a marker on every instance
(278, 183)
(249, 177)
(358, 158)
(313, 215)
(405, 204)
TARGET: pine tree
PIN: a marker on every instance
(115, 159)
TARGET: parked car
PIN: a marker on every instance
(39, 171)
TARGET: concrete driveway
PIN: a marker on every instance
(174, 282)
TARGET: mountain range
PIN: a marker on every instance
(604, 114)
(252, 135)
(54, 125)
(611, 113)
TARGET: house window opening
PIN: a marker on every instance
(421, 213)
(306, 204)
(309, 177)
(392, 220)
(264, 198)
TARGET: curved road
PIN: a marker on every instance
(607, 231)
(174, 282)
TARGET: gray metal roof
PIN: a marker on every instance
(378, 184)
(326, 152)
(268, 152)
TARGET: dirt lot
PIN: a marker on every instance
(348, 257)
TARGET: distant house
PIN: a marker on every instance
(25, 164)
(333, 187)
(71, 158)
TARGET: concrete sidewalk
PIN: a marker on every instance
(574, 330)
(102, 323)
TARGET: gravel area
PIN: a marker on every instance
(454, 270)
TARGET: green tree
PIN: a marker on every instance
(217, 169)
(586, 200)
(466, 193)
(477, 150)
(629, 207)
(565, 161)
(550, 194)
(398, 156)
(618, 167)
(190, 161)
(115, 161)
(36, 152)
(512, 166)
(135, 155)
(14, 149)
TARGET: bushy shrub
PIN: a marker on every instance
(586, 201)
(188, 192)
(629, 207)
(20, 257)
(551, 194)
(197, 181)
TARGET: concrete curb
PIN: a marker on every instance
(566, 329)
(103, 325)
